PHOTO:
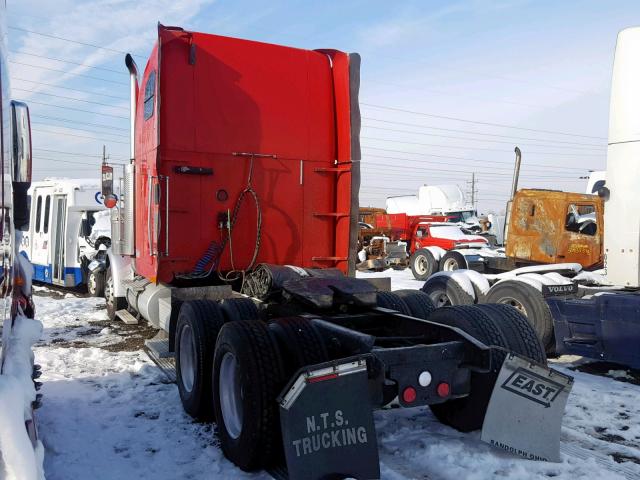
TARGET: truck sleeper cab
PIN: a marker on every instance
(245, 173)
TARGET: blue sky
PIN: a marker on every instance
(541, 66)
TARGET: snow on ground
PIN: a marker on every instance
(109, 413)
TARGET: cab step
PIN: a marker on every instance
(158, 351)
(126, 317)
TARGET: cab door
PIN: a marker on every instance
(581, 240)
(41, 234)
(59, 236)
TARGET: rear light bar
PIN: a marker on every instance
(321, 375)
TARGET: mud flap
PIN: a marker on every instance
(327, 423)
(526, 409)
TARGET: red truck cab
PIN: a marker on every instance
(444, 235)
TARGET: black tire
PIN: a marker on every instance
(300, 343)
(453, 260)
(519, 333)
(530, 302)
(201, 320)
(467, 414)
(445, 291)
(393, 302)
(419, 303)
(235, 309)
(423, 264)
(259, 378)
(95, 283)
(113, 303)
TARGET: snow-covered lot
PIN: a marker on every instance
(109, 413)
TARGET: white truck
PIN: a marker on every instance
(21, 450)
(447, 200)
(66, 231)
(595, 314)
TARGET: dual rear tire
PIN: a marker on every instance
(231, 366)
(496, 325)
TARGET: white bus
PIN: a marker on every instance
(66, 232)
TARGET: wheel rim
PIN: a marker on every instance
(440, 299)
(230, 395)
(108, 292)
(91, 283)
(514, 303)
(187, 358)
(450, 264)
(420, 264)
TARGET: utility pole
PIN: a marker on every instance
(104, 154)
(474, 191)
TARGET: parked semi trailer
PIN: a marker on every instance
(65, 231)
(21, 449)
(235, 236)
(594, 314)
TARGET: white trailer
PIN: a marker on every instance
(59, 238)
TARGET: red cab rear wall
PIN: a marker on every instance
(242, 96)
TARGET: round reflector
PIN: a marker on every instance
(424, 379)
(409, 395)
(110, 201)
(443, 389)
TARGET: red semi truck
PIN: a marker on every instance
(235, 235)
(427, 239)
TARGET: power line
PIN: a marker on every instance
(71, 98)
(93, 112)
(76, 153)
(100, 125)
(80, 136)
(68, 72)
(480, 148)
(477, 122)
(79, 129)
(69, 61)
(474, 159)
(456, 171)
(96, 165)
(481, 133)
(68, 88)
(474, 139)
(74, 41)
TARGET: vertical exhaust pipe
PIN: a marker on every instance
(516, 173)
(123, 217)
(514, 189)
(133, 78)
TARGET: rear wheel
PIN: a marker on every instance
(452, 260)
(423, 264)
(235, 309)
(519, 333)
(419, 303)
(467, 414)
(113, 303)
(498, 325)
(529, 302)
(248, 375)
(445, 291)
(96, 283)
(393, 302)
(300, 343)
(199, 322)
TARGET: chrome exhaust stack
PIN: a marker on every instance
(514, 190)
(133, 78)
(122, 218)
